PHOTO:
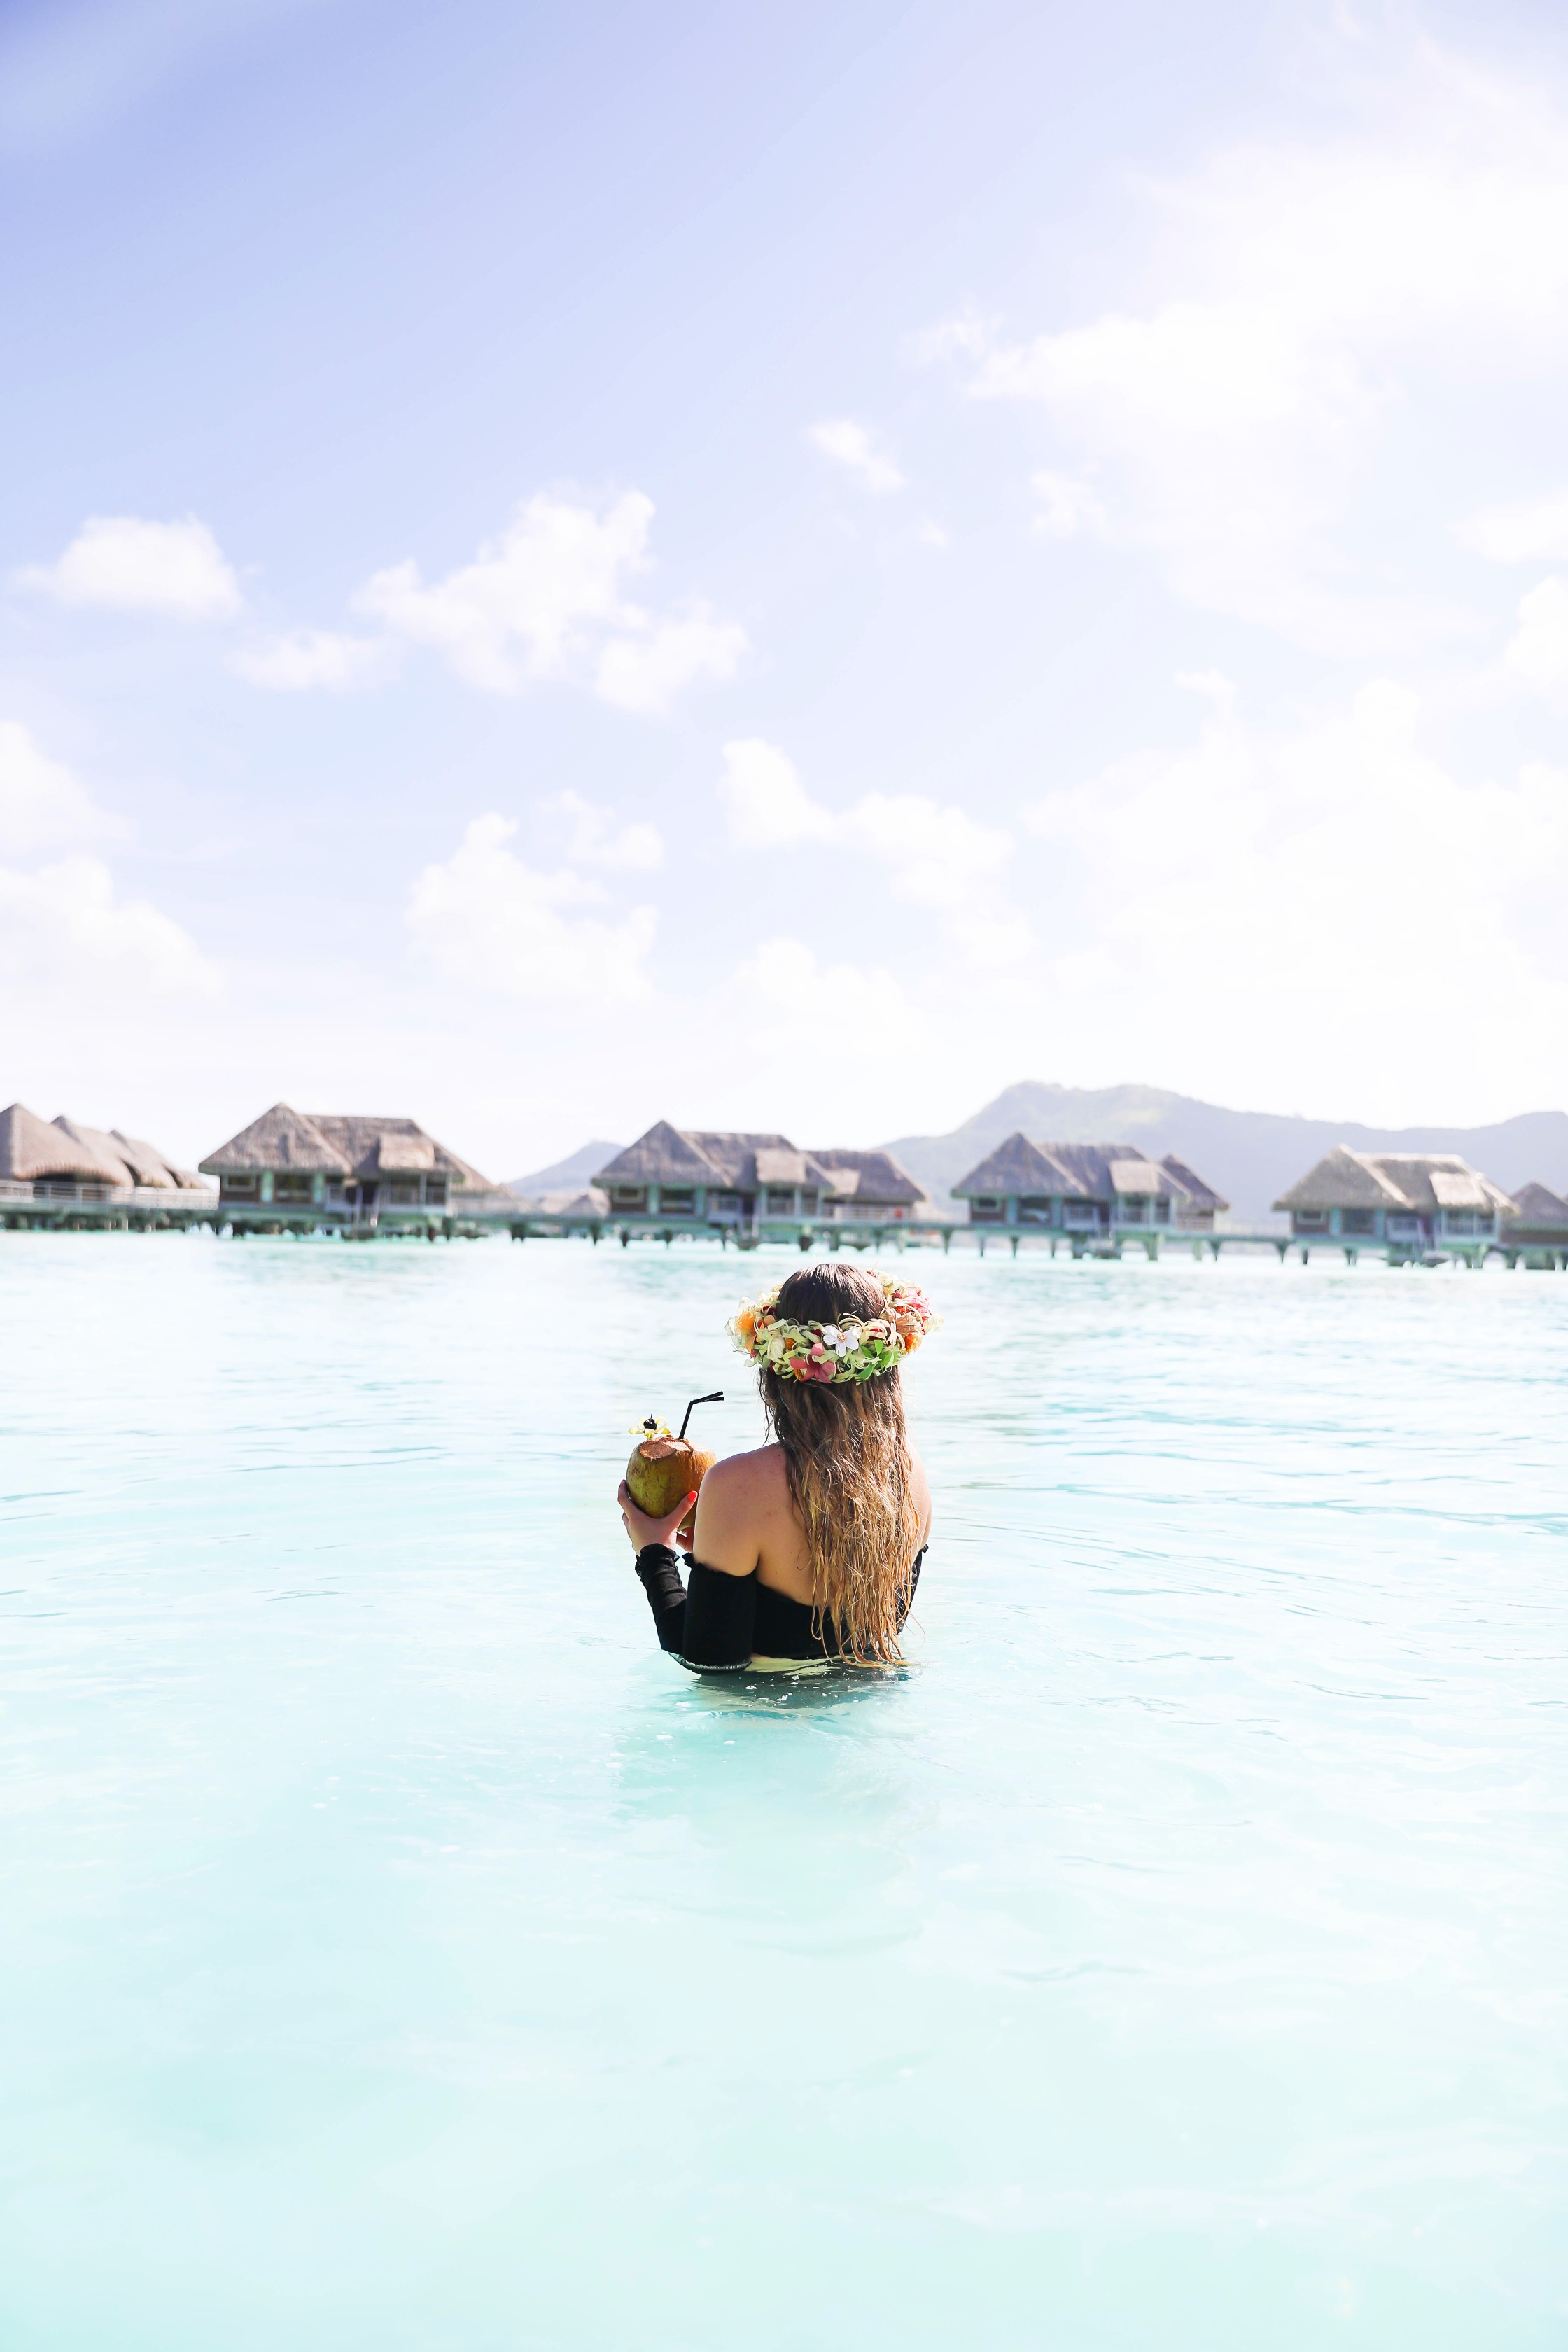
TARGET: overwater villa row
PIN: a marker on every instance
(363, 1177)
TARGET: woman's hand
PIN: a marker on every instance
(643, 1531)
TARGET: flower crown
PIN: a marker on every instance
(846, 1350)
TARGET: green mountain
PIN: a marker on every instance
(1250, 1156)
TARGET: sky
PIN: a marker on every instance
(779, 569)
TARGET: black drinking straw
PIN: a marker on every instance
(717, 1397)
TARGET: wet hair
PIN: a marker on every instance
(847, 1456)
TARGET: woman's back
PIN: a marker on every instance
(747, 1520)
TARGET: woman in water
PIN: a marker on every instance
(808, 1549)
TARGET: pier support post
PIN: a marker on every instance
(1283, 1248)
(1015, 1245)
(947, 1241)
(981, 1240)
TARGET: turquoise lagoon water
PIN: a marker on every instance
(399, 1952)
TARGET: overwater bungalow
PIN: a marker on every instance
(299, 1170)
(870, 1186)
(1414, 1202)
(1091, 1193)
(1538, 1229)
(59, 1171)
(715, 1181)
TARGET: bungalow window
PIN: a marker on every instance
(1460, 1221)
(986, 1209)
(677, 1200)
(1354, 1221)
(808, 1201)
(290, 1188)
(436, 1191)
(1133, 1210)
(632, 1198)
(725, 1207)
(1161, 1211)
(1310, 1221)
(1404, 1225)
(780, 1201)
(1080, 1213)
(1034, 1210)
(237, 1188)
(403, 1191)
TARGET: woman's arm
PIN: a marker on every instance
(711, 1626)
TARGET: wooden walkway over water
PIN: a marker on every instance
(828, 1234)
(101, 1208)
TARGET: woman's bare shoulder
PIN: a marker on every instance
(738, 1499)
(744, 1478)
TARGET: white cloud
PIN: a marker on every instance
(851, 446)
(1261, 894)
(64, 924)
(1069, 509)
(594, 841)
(133, 566)
(1291, 323)
(1539, 650)
(937, 855)
(42, 805)
(487, 919)
(307, 658)
(767, 805)
(547, 600)
(1535, 532)
(646, 674)
(784, 988)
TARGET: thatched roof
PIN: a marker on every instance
(1419, 1183)
(338, 1143)
(1070, 1171)
(1535, 1206)
(1343, 1178)
(280, 1138)
(738, 1158)
(663, 1156)
(31, 1149)
(1201, 1196)
(97, 1141)
(776, 1166)
(375, 1147)
(409, 1153)
(65, 1150)
(1015, 1166)
(677, 1155)
(146, 1163)
(1131, 1178)
(868, 1176)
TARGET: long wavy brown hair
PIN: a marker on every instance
(847, 1460)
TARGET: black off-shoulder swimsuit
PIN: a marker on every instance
(721, 1623)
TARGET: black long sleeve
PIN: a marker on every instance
(712, 1626)
(659, 1570)
(719, 1624)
